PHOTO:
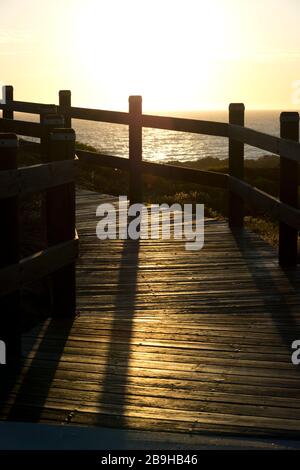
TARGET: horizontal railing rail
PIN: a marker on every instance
(28, 129)
(206, 178)
(269, 143)
(39, 265)
(259, 199)
(194, 126)
(253, 196)
(36, 178)
(24, 107)
(247, 136)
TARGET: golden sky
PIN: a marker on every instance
(180, 55)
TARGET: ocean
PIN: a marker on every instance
(171, 146)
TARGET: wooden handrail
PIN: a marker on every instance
(113, 117)
(35, 178)
(26, 128)
(192, 175)
(270, 143)
(257, 198)
(251, 195)
(39, 265)
(194, 126)
(99, 160)
(252, 137)
(24, 107)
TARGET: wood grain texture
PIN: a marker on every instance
(167, 339)
(31, 179)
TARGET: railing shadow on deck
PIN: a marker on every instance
(290, 329)
(126, 296)
(37, 380)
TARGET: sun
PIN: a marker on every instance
(162, 50)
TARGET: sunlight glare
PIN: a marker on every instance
(161, 50)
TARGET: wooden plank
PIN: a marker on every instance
(96, 160)
(35, 178)
(39, 265)
(24, 107)
(206, 178)
(30, 129)
(194, 126)
(270, 143)
(261, 200)
(113, 117)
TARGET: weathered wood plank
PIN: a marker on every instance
(30, 129)
(35, 178)
(39, 265)
(256, 198)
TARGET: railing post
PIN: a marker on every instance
(236, 166)
(60, 209)
(8, 92)
(288, 192)
(49, 120)
(135, 150)
(10, 328)
(65, 105)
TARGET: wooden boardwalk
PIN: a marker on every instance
(168, 340)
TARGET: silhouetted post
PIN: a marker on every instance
(65, 105)
(288, 193)
(49, 120)
(135, 150)
(60, 205)
(10, 328)
(8, 92)
(236, 166)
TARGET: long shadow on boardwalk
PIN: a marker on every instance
(124, 303)
(32, 385)
(28, 391)
(288, 328)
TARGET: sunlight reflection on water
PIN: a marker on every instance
(162, 145)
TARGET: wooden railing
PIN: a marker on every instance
(55, 178)
(287, 147)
